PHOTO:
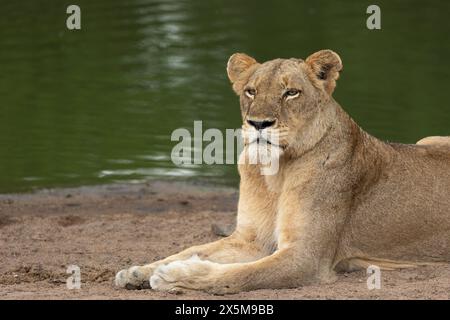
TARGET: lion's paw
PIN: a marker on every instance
(133, 278)
(193, 273)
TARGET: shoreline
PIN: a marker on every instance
(105, 228)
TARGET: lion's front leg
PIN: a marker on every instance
(307, 242)
(228, 250)
(256, 216)
(280, 270)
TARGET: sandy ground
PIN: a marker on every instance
(104, 229)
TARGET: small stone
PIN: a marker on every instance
(222, 230)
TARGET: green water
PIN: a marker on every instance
(99, 104)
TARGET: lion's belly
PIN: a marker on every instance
(406, 216)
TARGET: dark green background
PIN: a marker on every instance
(99, 105)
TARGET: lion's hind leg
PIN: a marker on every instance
(354, 264)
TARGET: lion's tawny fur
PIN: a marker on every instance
(341, 199)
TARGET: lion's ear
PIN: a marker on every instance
(326, 65)
(237, 66)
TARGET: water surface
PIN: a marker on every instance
(99, 105)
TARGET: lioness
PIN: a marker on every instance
(341, 199)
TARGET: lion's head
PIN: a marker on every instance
(283, 98)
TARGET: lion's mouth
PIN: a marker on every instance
(262, 141)
(262, 138)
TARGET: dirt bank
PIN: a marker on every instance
(106, 228)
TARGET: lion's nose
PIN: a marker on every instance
(260, 125)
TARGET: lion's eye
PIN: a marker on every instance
(250, 93)
(292, 93)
